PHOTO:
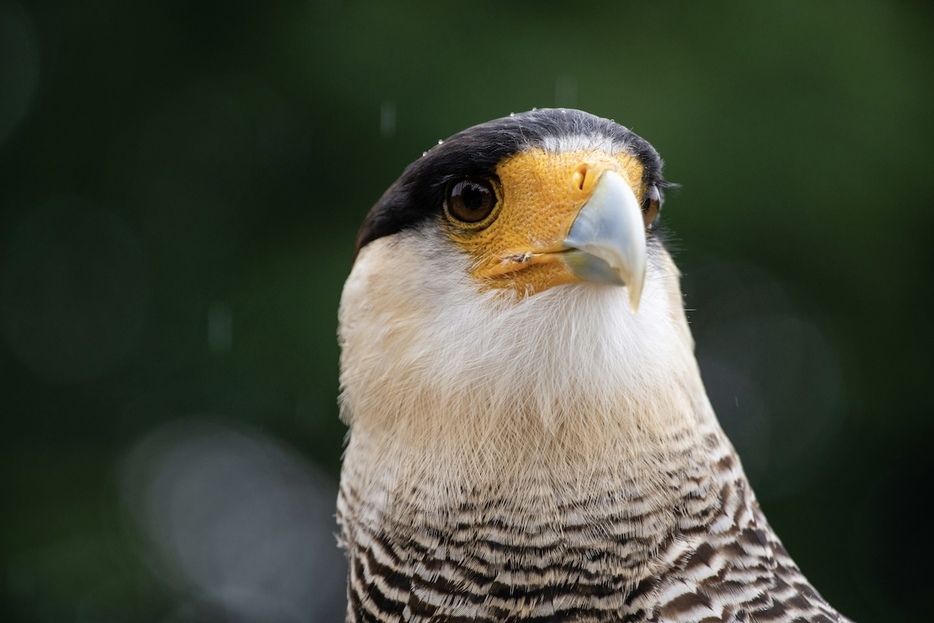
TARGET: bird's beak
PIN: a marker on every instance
(606, 242)
(564, 218)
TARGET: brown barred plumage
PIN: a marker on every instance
(548, 458)
(599, 557)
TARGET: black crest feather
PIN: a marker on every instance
(418, 194)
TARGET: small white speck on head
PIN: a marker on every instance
(440, 141)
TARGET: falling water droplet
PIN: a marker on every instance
(387, 119)
(220, 328)
(565, 91)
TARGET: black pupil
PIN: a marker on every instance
(473, 196)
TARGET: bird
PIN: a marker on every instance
(530, 439)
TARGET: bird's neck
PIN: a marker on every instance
(449, 392)
(560, 441)
(538, 461)
(583, 503)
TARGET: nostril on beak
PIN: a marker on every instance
(579, 177)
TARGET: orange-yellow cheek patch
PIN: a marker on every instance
(541, 193)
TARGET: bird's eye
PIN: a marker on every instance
(651, 205)
(470, 200)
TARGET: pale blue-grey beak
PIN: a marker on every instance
(606, 243)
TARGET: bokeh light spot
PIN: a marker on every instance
(237, 520)
(773, 377)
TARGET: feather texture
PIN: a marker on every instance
(546, 458)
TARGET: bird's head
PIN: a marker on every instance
(514, 268)
(534, 201)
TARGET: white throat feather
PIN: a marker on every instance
(444, 383)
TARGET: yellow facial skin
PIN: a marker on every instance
(540, 194)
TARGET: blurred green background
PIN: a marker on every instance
(180, 186)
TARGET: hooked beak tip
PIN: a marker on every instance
(606, 242)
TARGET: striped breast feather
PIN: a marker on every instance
(485, 561)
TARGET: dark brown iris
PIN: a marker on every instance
(651, 205)
(470, 200)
